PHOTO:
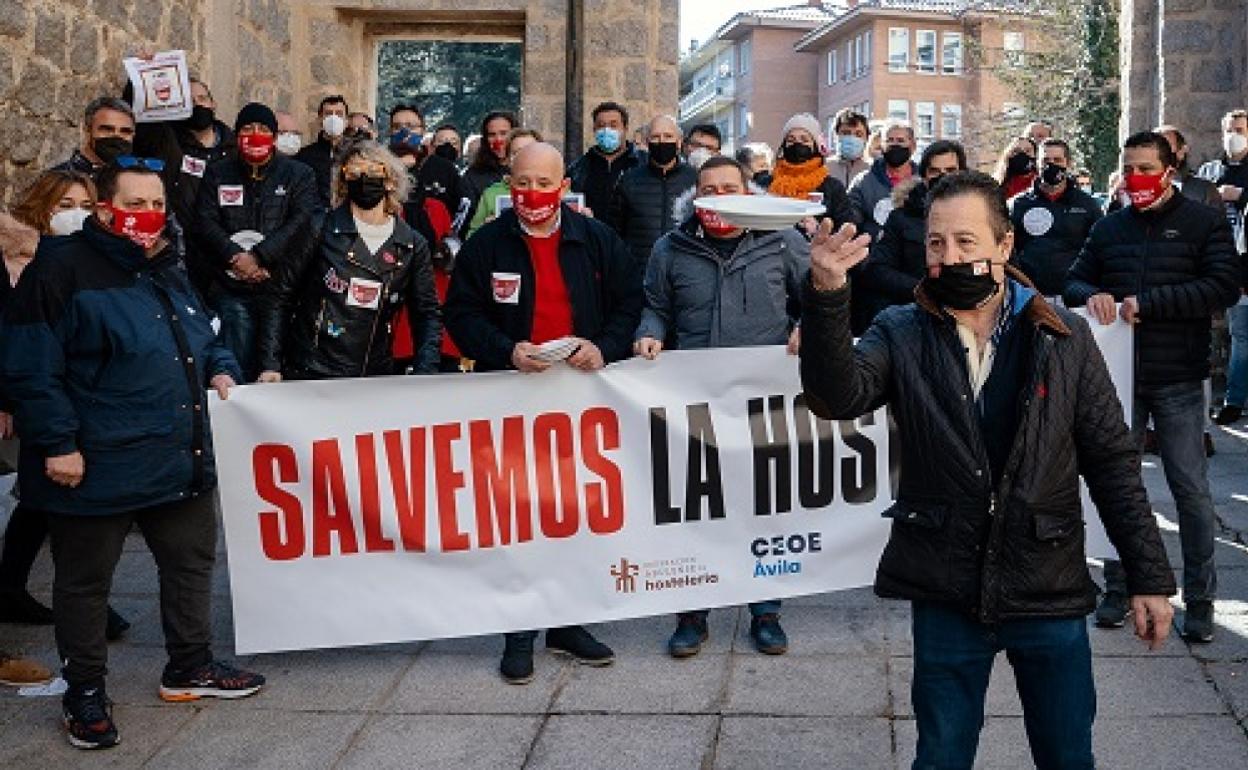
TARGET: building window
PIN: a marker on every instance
(898, 109)
(832, 66)
(898, 49)
(951, 116)
(743, 65)
(850, 74)
(925, 120)
(866, 51)
(952, 54)
(925, 50)
(1013, 47)
(743, 121)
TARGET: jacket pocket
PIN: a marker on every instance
(920, 515)
(1054, 527)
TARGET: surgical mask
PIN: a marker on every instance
(1020, 163)
(289, 142)
(141, 227)
(1234, 144)
(201, 118)
(896, 155)
(963, 286)
(1053, 174)
(366, 191)
(850, 147)
(698, 156)
(447, 150)
(333, 125)
(662, 153)
(68, 221)
(110, 148)
(798, 153)
(1087, 188)
(1143, 189)
(608, 139)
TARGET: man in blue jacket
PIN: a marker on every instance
(107, 353)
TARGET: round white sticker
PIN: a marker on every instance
(1038, 221)
(882, 209)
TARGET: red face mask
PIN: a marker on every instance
(712, 224)
(498, 146)
(1143, 189)
(256, 148)
(142, 227)
(536, 206)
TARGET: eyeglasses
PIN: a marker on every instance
(130, 161)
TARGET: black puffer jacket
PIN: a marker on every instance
(1179, 263)
(643, 210)
(1017, 550)
(1049, 233)
(898, 259)
(596, 176)
(331, 314)
(282, 206)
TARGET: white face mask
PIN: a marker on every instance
(289, 143)
(698, 156)
(68, 221)
(1234, 144)
(334, 125)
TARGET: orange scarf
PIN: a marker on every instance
(797, 180)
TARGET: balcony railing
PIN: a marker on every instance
(701, 97)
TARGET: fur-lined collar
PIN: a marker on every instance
(1038, 310)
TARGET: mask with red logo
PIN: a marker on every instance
(498, 147)
(536, 206)
(142, 227)
(1143, 189)
(256, 148)
(713, 224)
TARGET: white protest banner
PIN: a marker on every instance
(162, 87)
(403, 508)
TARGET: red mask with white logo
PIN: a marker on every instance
(1143, 189)
(713, 224)
(256, 148)
(498, 147)
(141, 227)
(536, 206)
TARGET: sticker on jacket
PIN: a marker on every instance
(193, 166)
(1038, 221)
(506, 288)
(334, 282)
(364, 293)
(230, 195)
(883, 208)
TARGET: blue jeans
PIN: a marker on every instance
(1178, 413)
(1237, 370)
(953, 657)
(239, 316)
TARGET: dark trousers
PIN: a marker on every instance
(182, 537)
(240, 316)
(22, 540)
(953, 657)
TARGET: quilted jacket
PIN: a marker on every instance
(1011, 551)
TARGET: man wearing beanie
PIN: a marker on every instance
(256, 213)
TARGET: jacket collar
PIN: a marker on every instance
(122, 251)
(572, 226)
(1028, 302)
(1176, 200)
(343, 223)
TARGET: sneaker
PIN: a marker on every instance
(18, 606)
(688, 637)
(20, 672)
(117, 625)
(1198, 622)
(517, 663)
(88, 716)
(1113, 610)
(581, 645)
(1226, 414)
(769, 638)
(211, 680)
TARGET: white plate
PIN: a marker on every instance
(556, 350)
(759, 212)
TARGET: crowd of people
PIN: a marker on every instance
(164, 260)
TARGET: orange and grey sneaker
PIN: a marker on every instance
(21, 672)
(211, 680)
(88, 715)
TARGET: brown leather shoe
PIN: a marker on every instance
(20, 672)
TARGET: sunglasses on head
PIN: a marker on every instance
(130, 161)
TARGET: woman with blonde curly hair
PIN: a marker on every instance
(331, 313)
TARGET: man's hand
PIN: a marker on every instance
(1153, 616)
(222, 384)
(1101, 307)
(521, 358)
(65, 470)
(648, 348)
(832, 255)
(6, 426)
(1130, 310)
(268, 375)
(248, 267)
(795, 341)
(1230, 193)
(587, 357)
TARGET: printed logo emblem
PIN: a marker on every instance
(506, 288)
(364, 293)
(625, 574)
(1038, 221)
(230, 195)
(193, 166)
(334, 283)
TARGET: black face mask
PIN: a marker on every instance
(446, 150)
(960, 288)
(201, 118)
(897, 155)
(1020, 163)
(366, 191)
(662, 153)
(798, 153)
(110, 148)
(1053, 174)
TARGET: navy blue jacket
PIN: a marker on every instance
(109, 353)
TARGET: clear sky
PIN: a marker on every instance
(700, 18)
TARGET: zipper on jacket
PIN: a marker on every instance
(320, 321)
(368, 349)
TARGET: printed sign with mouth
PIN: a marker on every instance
(506, 288)
(364, 293)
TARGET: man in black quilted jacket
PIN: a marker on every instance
(1001, 402)
(1170, 262)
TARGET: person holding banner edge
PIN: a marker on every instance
(1002, 402)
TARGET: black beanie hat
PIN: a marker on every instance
(256, 113)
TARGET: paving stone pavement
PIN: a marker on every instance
(839, 699)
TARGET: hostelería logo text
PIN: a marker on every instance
(661, 574)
